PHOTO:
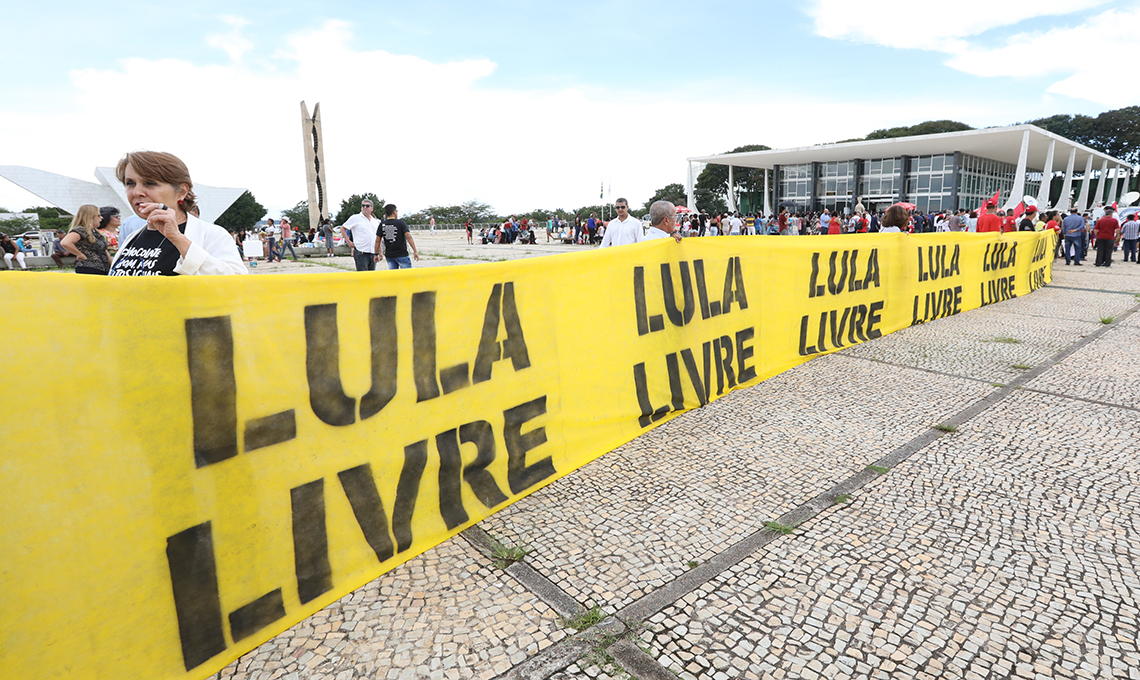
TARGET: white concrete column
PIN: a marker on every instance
(1112, 188)
(1063, 204)
(691, 203)
(767, 195)
(731, 192)
(1100, 183)
(1083, 199)
(1127, 182)
(1046, 178)
(1018, 190)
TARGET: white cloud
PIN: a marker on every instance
(1083, 52)
(417, 133)
(232, 43)
(929, 26)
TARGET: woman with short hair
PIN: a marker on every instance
(87, 243)
(895, 220)
(174, 242)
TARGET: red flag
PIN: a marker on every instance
(994, 200)
(1017, 212)
(1114, 205)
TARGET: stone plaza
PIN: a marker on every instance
(954, 500)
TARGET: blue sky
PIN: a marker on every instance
(525, 104)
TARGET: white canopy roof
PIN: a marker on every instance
(999, 144)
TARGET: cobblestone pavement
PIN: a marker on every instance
(962, 504)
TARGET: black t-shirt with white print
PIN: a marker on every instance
(149, 253)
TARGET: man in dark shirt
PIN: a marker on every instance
(1027, 222)
(393, 239)
(1107, 231)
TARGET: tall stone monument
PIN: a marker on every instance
(311, 139)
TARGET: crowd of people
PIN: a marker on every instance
(165, 236)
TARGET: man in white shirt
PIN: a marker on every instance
(623, 229)
(662, 221)
(360, 231)
(735, 224)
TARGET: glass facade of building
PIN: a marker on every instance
(879, 181)
(932, 182)
(795, 185)
(835, 186)
(980, 178)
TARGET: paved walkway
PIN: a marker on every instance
(962, 497)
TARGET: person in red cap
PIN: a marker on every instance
(1029, 220)
(989, 222)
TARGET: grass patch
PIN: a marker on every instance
(504, 555)
(1006, 339)
(842, 498)
(997, 384)
(1022, 367)
(780, 528)
(946, 428)
(585, 619)
(692, 564)
(599, 654)
(878, 469)
(1107, 319)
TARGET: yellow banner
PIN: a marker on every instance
(194, 464)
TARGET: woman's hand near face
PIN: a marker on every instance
(164, 218)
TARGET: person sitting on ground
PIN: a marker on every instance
(894, 221)
(57, 251)
(87, 243)
(11, 252)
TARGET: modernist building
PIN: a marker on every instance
(935, 172)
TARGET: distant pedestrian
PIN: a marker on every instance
(286, 239)
(272, 233)
(327, 233)
(1073, 230)
(1107, 232)
(1130, 233)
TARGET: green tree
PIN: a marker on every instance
(674, 193)
(454, 214)
(52, 218)
(16, 224)
(351, 206)
(604, 211)
(712, 184)
(298, 215)
(1117, 133)
(1077, 128)
(930, 127)
(242, 214)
